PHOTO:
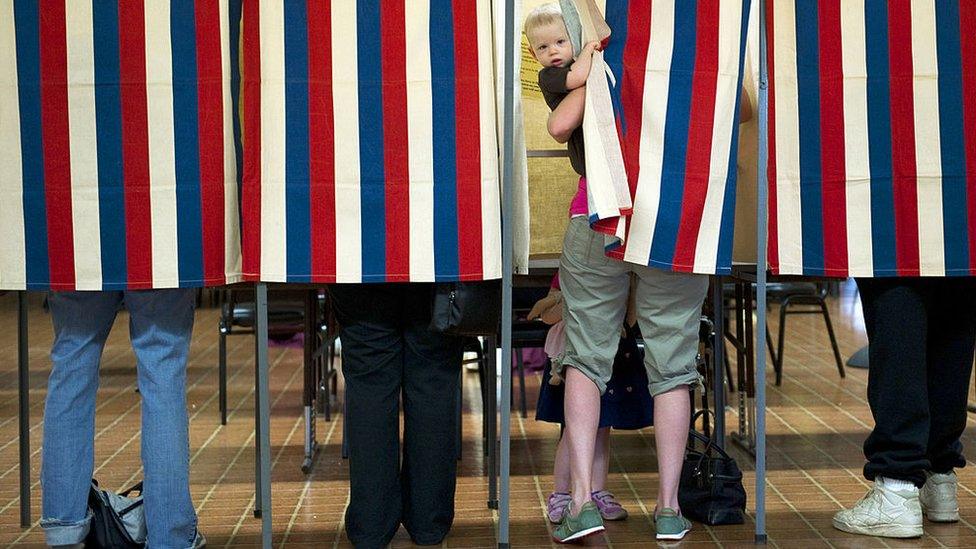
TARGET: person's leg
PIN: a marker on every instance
(161, 326)
(372, 367)
(952, 335)
(896, 316)
(669, 311)
(952, 330)
(431, 363)
(601, 460)
(896, 319)
(562, 479)
(595, 290)
(82, 321)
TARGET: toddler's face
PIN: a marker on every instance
(551, 46)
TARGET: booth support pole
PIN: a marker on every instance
(508, 151)
(761, 264)
(23, 386)
(263, 412)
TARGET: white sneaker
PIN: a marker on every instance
(938, 497)
(884, 511)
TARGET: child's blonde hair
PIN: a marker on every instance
(543, 15)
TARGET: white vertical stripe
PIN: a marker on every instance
(232, 226)
(13, 257)
(788, 216)
(84, 154)
(928, 145)
(345, 104)
(162, 165)
(724, 124)
(491, 248)
(420, 136)
(657, 82)
(274, 240)
(856, 152)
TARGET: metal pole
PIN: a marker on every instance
(508, 152)
(718, 359)
(761, 224)
(23, 390)
(264, 412)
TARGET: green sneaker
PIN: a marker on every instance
(670, 525)
(575, 527)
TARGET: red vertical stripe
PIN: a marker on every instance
(468, 139)
(57, 152)
(700, 127)
(320, 139)
(772, 244)
(211, 138)
(904, 178)
(967, 22)
(135, 143)
(832, 155)
(632, 94)
(396, 153)
(251, 139)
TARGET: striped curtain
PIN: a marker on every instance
(116, 152)
(679, 71)
(872, 137)
(370, 151)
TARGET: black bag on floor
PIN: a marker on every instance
(711, 489)
(118, 520)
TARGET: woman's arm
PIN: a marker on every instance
(568, 115)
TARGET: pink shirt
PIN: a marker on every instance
(578, 205)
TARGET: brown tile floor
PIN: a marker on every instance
(816, 423)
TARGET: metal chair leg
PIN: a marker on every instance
(778, 358)
(520, 364)
(222, 376)
(833, 339)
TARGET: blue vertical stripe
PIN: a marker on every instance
(808, 105)
(189, 223)
(723, 264)
(108, 137)
(234, 15)
(445, 140)
(675, 135)
(617, 17)
(371, 167)
(27, 27)
(297, 217)
(954, 212)
(879, 137)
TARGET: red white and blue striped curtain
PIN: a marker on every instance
(117, 162)
(678, 65)
(872, 142)
(369, 141)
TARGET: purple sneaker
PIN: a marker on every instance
(557, 506)
(609, 508)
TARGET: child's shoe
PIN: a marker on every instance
(557, 506)
(610, 508)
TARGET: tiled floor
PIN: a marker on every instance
(816, 424)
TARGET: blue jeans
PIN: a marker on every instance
(160, 327)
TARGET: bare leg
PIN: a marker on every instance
(672, 412)
(560, 468)
(582, 412)
(601, 459)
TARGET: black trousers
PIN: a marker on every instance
(387, 351)
(921, 333)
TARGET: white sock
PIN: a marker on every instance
(896, 484)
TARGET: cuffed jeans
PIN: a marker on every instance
(387, 350)
(160, 326)
(921, 333)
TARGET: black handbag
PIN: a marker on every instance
(118, 520)
(466, 308)
(710, 490)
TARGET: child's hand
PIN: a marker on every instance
(593, 46)
(548, 309)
